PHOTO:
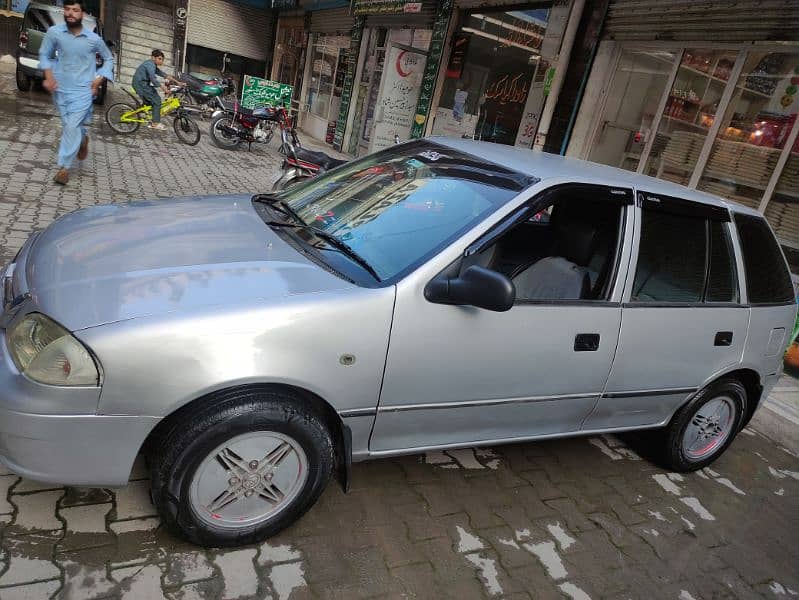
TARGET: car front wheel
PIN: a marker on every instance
(23, 81)
(241, 469)
(702, 430)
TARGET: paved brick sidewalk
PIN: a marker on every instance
(580, 518)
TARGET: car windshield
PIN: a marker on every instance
(400, 206)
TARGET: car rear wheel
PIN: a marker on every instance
(23, 81)
(704, 428)
(241, 469)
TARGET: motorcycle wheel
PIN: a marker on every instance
(219, 137)
(187, 130)
(113, 117)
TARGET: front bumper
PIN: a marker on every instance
(53, 434)
(30, 66)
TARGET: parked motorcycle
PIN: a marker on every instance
(201, 95)
(232, 124)
(301, 164)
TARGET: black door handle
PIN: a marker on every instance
(723, 338)
(586, 342)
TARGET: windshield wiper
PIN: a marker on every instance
(279, 206)
(345, 248)
(328, 237)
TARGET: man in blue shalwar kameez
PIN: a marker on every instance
(68, 58)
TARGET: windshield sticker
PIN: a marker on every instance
(431, 155)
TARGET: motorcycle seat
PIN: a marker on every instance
(324, 161)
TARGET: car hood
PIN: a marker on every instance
(120, 261)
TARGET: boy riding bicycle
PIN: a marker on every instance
(145, 82)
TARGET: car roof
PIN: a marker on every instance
(55, 8)
(544, 165)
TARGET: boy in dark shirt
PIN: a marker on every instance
(146, 84)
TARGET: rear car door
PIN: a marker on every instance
(682, 320)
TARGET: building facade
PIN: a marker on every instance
(703, 94)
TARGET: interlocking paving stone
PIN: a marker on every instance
(86, 519)
(37, 511)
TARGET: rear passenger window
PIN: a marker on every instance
(671, 258)
(722, 283)
(767, 278)
(685, 255)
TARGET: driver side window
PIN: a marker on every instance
(565, 251)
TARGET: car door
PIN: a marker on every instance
(459, 374)
(682, 320)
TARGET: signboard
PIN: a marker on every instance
(397, 105)
(457, 56)
(431, 69)
(378, 7)
(257, 92)
(349, 78)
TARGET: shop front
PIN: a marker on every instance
(718, 116)
(388, 72)
(291, 43)
(228, 38)
(327, 53)
(497, 75)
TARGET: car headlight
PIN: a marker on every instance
(47, 353)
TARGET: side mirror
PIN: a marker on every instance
(477, 286)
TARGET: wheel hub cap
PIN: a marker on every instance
(709, 428)
(248, 479)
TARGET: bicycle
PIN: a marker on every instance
(124, 118)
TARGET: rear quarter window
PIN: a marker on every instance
(767, 277)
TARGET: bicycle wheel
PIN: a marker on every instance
(113, 116)
(187, 130)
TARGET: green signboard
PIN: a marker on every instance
(349, 80)
(431, 68)
(550, 76)
(258, 92)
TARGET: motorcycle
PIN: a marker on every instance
(301, 164)
(232, 124)
(201, 96)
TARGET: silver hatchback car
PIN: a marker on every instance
(437, 294)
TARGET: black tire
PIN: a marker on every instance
(674, 455)
(221, 139)
(187, 130)
(24, 82)
(113, 114)
(193, 436)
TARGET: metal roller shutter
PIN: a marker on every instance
(334, 20)
(692, 20)
(421, 20)
(233, 28)
(471, 4)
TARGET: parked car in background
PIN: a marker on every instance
(37, 20)
(407, 301)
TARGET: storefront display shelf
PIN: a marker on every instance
(740, 182)
(685, 122)
(711, 77)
